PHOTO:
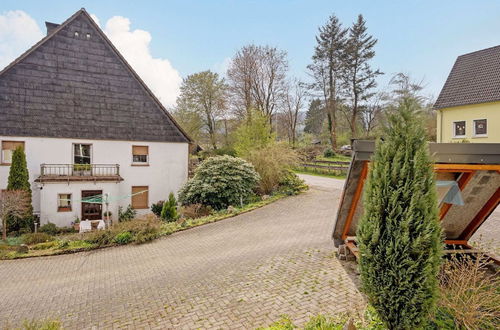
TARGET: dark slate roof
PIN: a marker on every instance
(475, 78)
(78, 87)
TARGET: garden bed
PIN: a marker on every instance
(135, 231)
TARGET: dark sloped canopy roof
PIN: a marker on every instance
(75, 84)
(475, 78)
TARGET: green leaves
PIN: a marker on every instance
(219, 182)
(399, 235)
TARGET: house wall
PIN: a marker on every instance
(167, 172)
(469, 113)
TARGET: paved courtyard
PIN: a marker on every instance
(242, 272)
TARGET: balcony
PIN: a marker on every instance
(79, 172)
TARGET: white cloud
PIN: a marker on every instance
(18, 32)
(163, 79)
(221, 67)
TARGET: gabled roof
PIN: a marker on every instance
(79, 86)
(475, 78)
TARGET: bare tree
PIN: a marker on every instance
(371, 112)
(13, 203)
(292, 104)
(257, 79)
(241, 76)
(204, 94)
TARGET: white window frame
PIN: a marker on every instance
(474, 128)
(73, 152)
(454, 130)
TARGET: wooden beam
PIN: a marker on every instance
(456, 242)
(355, 199)
(466, 167)
(462, 182)
(481, 216)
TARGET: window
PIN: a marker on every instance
(63, 202)
(8, 148)
(77, 34)
(140, 155)
(459, 129)
(480, 127)
(82, 153)
(140, 197)
(88, 35)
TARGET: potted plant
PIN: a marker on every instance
(76, 224)
(82, 169)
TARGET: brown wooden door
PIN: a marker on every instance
(91, 211)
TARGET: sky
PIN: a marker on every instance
(167, 40)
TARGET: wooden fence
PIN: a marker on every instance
(330, 166)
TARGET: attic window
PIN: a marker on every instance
(77, 33)
(88, 35)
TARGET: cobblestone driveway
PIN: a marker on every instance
(242, 272)
(238, 273)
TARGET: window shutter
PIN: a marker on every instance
(140, 201)
(12, 145)
(140, 150)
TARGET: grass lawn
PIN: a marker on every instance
(326, 174)
(337, 158)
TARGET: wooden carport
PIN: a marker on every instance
(475, 167)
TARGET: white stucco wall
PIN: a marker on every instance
(167, 171)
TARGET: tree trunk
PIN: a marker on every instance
(4, 228)
(354, 116)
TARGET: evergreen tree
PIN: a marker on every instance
(169, 210)
(315, 117)
(328, 70)
(19, 180)
(360, 77)
(399, 235)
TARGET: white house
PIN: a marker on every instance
(89, 127)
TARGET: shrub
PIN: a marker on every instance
(219, 182)
(49, 228)
(193, 211)
(328, 153)
(470, 293)
(157, 207)
(126, 215)
(255, 133)
(35, 238)
(45, 245)
(124, 237)
(399, 234)
(100, 237)
(309, 153)
(273, 163)
(291, 184)
(169, 210)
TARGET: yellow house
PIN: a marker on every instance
(468, 107)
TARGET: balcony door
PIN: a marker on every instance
(91, 211)
(82, 153)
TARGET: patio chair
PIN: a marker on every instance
(85, 226)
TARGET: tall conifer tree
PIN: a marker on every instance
(399, 235)
(19, 180)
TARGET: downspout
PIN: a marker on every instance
(440, 126)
